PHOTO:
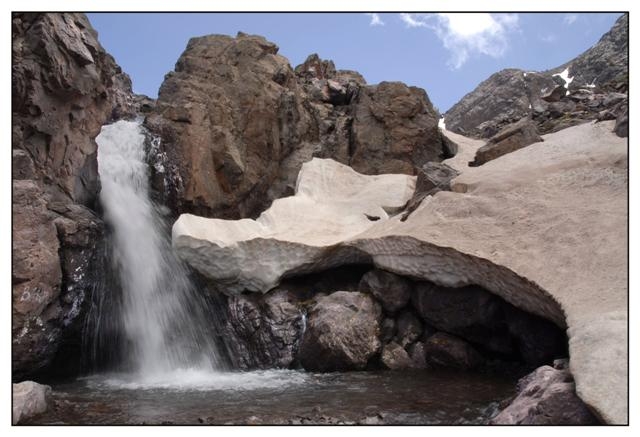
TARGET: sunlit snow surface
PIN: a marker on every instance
(441, 124)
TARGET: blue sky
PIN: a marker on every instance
(446, 54)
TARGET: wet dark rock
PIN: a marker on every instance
(409, 328)
(394, 357)
(266, 330)
(342, 332)
(36, 280)
(391, 290)
(546, 397)
(387, 329)
(510, 139)
(538, 341)
(469, 312)
(418, 354)
(445, 350)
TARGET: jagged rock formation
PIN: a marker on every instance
(505, 97)
(509, 95)
(546, 397)
(523, 226)
(236, 123)
(64, 88)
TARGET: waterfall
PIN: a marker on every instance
(162, 317)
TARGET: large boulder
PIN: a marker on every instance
(64, 88)
(511, 138)
(395, 128)
(342, 332)
(469, 312)
(228, 115)
(546, 397)
(29, 399)
(391, 290)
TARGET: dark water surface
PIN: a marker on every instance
(280, 397)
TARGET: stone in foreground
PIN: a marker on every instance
(546, 397)
(29, 399)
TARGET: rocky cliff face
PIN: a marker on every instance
(236, 122)
(64, 88)
(509, 95)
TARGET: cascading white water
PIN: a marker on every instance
(163, 317)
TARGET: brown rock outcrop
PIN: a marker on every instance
(64, 88)
(236, 123)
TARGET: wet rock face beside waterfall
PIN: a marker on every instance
(342, 332)
(64, 88)
(266, 331)
(509, 95)
(226, 161)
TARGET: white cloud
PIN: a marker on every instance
(467, 34)
(548, 38)
(375, 19)
(569, 19)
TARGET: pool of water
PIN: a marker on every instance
(279, 397)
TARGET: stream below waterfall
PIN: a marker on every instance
(280, 397)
